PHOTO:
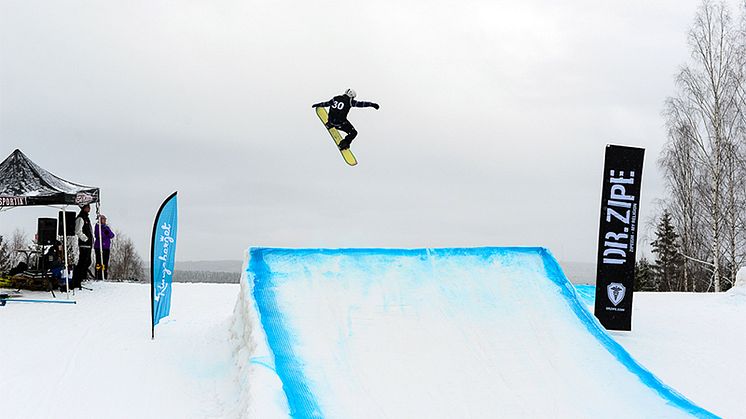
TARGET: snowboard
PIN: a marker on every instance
(337, 137)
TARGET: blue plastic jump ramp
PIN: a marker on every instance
(441, 333)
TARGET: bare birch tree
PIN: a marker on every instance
(677, 162)
(734, 203)
(704, 121)
(4, 255)
(125, 263)
(18, 241)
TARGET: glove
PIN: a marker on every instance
(375, 106)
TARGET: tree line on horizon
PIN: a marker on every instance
(125, 264)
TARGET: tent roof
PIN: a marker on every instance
(24, 183)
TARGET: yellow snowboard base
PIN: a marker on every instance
(337, 137)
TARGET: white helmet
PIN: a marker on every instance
(351, 93)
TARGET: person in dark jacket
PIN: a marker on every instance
(339, 107)
(85, 241)
(53, 262)
(104, 233)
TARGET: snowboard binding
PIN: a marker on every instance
(344, 144)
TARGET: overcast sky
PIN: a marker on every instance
(493, 121)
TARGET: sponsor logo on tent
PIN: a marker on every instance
(12, 201)
(83, 198)
(616, 292)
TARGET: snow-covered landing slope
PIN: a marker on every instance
(95, 359)
(437, 333)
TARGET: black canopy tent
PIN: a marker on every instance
(24, 183)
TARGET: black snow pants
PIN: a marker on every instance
(345, 126)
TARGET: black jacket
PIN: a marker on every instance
(53, 259)
(339, 107)
(86, 231)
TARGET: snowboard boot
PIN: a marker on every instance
(344, 144)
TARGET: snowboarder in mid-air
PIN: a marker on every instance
(339, 107)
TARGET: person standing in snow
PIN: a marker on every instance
(339, 107)
(85, 241)
(104, 233)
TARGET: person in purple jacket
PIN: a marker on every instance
(105, 236)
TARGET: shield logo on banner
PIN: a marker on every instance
(615, 291)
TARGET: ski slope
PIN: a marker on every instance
(438, 333)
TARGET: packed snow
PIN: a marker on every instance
(442, 333)
(211, 357)
(96, 359)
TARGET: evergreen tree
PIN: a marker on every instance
(668, 260)
(645, 276)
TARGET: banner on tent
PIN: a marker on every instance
(13, 201)
(162, 258)
(617, 236)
